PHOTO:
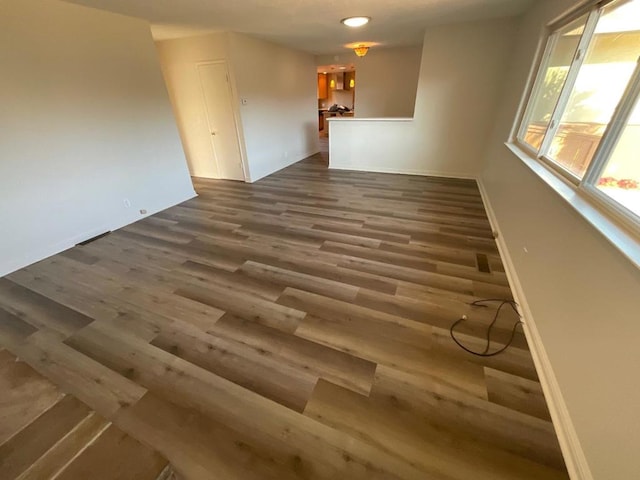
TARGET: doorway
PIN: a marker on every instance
(223, 129)
(336, 94)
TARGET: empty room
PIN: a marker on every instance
(357, 240)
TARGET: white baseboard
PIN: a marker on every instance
(420, 173)
(572, 451)
(50, 250)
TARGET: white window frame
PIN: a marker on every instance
(587, 185)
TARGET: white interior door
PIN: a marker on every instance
(214, 78)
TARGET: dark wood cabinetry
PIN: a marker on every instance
(349, 80)
(323, 90)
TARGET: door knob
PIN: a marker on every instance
(213, 133)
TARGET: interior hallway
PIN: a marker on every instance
(296, 327)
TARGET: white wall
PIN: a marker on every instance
(582, 293)
(375, 145)
(340, 97)
(462, 71)
(179, 59)
(280, 119)
(386, 80)
(278, 125)
(85, 122)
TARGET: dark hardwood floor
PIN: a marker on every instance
(46, 434)
(295, 328)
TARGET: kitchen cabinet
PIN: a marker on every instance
(349, 77)
(323, 90)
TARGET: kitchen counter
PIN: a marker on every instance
(326, 114)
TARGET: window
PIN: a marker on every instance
(583, 114)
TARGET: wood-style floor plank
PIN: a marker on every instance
(91, 382)
(114, 454)
(318, 448)
(293, 328)
(24, 395)
(33, 441)
(348, 371)
(66, 449)
(404, 435)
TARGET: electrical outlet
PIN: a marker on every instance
(244, 101)
(143, 212)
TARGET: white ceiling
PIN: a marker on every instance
(310, 25)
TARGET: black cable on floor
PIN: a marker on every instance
(480, 303)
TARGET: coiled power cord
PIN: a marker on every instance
(481, 303)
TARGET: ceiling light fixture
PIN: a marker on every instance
(361, 50)
(355, 22)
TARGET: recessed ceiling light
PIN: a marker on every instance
(343, 68)
(355, 22)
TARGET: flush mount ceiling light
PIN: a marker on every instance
(355, 22)
(361, 50)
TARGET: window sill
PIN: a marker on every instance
(618, 236)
